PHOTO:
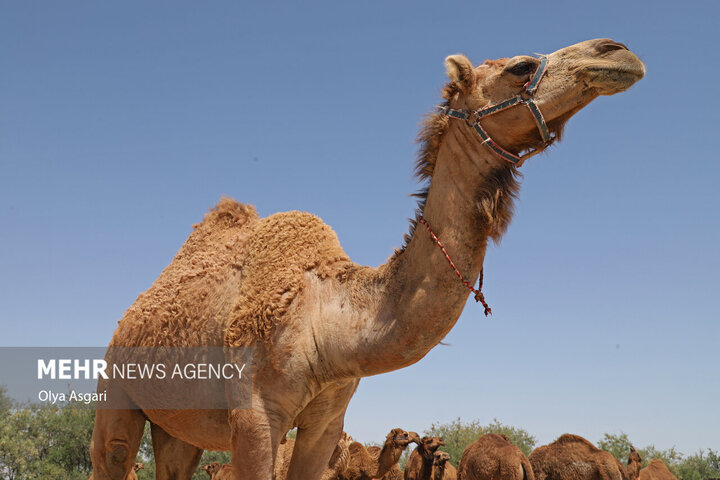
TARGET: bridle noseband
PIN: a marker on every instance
(473, 117)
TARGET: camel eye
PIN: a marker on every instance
(521, 69)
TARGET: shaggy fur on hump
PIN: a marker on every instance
(280, 249)
(189, 300)
(232, 280)
(495, 199)
(571, 457)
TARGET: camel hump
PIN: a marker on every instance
(570, 438)
(227, 213)
(279, 251)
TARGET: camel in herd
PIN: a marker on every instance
(493, 457)
(656, 470)
(442, 469)
(375, 462)
(133, 474)
(316, 321)
(219, 472)
(572, 457)
(634, 464)
(419, 465)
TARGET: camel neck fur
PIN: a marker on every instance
(389, 456)
(416, 298)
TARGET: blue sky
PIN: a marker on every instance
(122, 123)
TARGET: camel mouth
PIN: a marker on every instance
(614, 79)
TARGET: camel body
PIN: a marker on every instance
(375, 462)
(572, 457)
(493, 457)
(317, 322)
(656, 470)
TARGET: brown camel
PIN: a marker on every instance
(375, 462)
(493, 457)
(442, 468)
(634, 464)
(219, 472)
(317, 322)
(571, 457)
(338, 461)
(656, 470)
(133, 474)
(419, 466)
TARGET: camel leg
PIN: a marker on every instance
(115, 440)
(319, 428)
(255, 437)
(174, 459)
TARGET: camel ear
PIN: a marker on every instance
(460, 70)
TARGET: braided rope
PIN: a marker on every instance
(479, 297)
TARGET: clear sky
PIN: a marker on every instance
(121, 123)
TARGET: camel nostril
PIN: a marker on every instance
(610, 46)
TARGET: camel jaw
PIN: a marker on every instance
(610, 80)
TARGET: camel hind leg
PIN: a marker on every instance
(174, 459)
(115, 439)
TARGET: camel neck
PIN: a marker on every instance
(422, 296)
(389, 456)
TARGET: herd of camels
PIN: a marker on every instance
(316, 321)
(491, 457)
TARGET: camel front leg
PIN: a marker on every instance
(255, 437)
(319, 428)
(116, 438)
(174, 459)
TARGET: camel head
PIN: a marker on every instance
(415, 438)
(398, 438)
(634, 464)
(572, 78)
(440, 458)
(211, 468)
(138, 466)
(345, 440)
(432, 443)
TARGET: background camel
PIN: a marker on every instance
(634, 464)
(571, 457)
(219, 472)
(133, 474)
(656, 470)
(419, 465)
(493, 457)
(338, 461)
(318, 322)
(375, 462)
(442, 468)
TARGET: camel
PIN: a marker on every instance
(219, 472)
(634, 464)
(419, 466)
(493, 457)
(338, 461)
(375, 462)
(572, 457)
(316, 321)
(442, 468)
(656, 470)
(133, 474)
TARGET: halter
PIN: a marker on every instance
(473, 117)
